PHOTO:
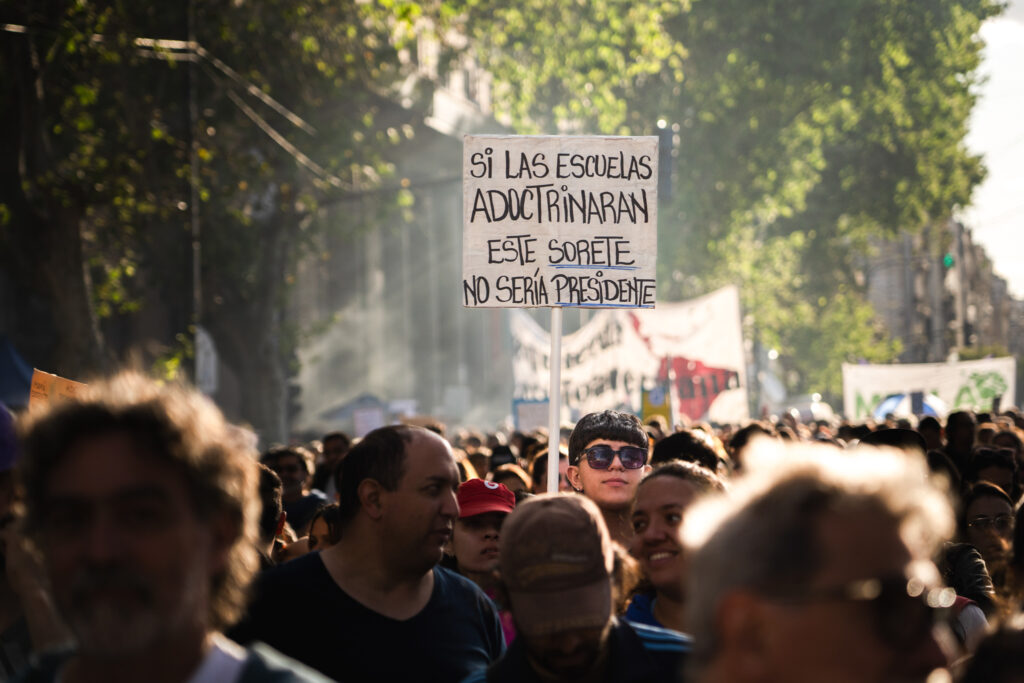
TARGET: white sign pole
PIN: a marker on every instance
(555, 399)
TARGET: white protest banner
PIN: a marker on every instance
(963, 385)
(559, 221)
(529, 415)
(607, 362)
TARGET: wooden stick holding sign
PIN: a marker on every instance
(555, 399)
(557, 221)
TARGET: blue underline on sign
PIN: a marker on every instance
(600, 267)
(575, 305)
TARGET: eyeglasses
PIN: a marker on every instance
(904, 610)
(1001, 523)
(600, 457)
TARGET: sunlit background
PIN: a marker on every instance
(265, 198)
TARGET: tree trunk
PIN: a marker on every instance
(53, 320)
(248, 335)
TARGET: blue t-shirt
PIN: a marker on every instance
(641, 610)
(299, 610)
(301, 511)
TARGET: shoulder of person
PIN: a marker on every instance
(660, 639)
(264, 664)
(302, 566)
(478, 676)
(451, 580)
(44, 667)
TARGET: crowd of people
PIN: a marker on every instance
(144, 538)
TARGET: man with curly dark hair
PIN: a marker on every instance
(143, 502)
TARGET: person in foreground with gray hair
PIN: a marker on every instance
(143, 504)
(818, 567)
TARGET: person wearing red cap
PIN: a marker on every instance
(483, 507)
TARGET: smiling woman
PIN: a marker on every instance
(661, 502)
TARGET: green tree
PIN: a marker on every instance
(96, 170)
(804, 129)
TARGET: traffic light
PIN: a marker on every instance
(948, 260)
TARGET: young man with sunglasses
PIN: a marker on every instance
(607, 459)
(817, 567)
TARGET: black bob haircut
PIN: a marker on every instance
(611, 425)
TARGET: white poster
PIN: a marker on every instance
(607, 362)
(963, 385)
(559, 221)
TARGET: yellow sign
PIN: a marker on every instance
(47, 388)
(656, 402)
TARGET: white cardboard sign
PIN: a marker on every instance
(559, 221)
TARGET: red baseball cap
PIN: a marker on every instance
(478, 496)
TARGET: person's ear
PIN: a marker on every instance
(370, 494)
(573, 474)
(647, 468)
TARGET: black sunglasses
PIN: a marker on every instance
(904, 610)
(1001, 523)
(600, 457)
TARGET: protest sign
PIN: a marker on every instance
(559, 221)
(607, 362)
(529, 415)
(656, 401)
(962, 385)
(47, 388)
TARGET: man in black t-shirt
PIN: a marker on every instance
(375, 607)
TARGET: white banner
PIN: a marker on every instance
(964, 385)
(606, 363)
(559, 221)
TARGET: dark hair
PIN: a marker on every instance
(997, 658)
(611, 425)
(331, 514)
(742, 437)
(985, 457)
(1011, 436)
(380, 456)
(502, 455)
(702, 479)
(961, 419)
(271, 490)
(331, 436)
(510, 471)
(940, 463)
(539, 466)
(929, 422)
(685, 445)
(304, 455)
(903, 439)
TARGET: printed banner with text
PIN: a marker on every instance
(608, 362)
(559, 221)
(964, 385)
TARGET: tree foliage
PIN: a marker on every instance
(804, 129)
(287, 110)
